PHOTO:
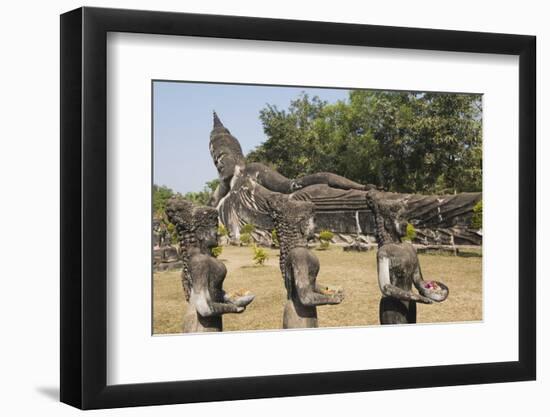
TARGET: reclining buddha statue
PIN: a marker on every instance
(340, 204)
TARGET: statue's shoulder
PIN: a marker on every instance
(199, 259)
(299, 250)
(392, 250)
(256, 167)
(301, 253)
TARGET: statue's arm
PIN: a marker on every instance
(390, 290)
(269, 178)
(241, 301)
(322, 288)
(401, 294)
(418, 279)
(332, 180)
(220, 192)
(200, 297)
(306, 291)
(206, 308)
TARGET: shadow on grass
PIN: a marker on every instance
(254, 266)
(469, 254)
(460, 254)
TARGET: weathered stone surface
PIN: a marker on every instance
(202, 274)
(397, 264)
(168, 266)
(358, 247)
(294, 223)
(340, 204)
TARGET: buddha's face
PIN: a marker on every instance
(225, 162)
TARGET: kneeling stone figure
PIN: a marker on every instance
(202, 274)
(294, 225)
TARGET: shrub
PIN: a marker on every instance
(216, 251)
(410, 233)
(275, 238)
(260, 255)
(171, 231)
(246, 234)
(222, 230)
(245, 239)
(248, 228)
(325, 237)
(477, 217)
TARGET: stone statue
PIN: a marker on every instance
(293, 222)
(398, 266)
(229, 160)
(202, 274)
(340, 204)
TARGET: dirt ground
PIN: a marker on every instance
(355, 272)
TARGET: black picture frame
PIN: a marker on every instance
(84, 207)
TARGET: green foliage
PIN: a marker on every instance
(325, 236)
(275, 238)
(246, 234)
(477, 217)
(216, 251)
(245, 239)
(222, 230)
(202, 197)
(248, 228)
(161, 194)
(171, 230)
(260, 255)
(403, 141)
(212, 185)
(410, 233)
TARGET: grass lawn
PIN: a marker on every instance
(355, 272)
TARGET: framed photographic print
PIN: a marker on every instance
(257, 208)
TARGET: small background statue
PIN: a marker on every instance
(398, 266)
(202, 274)
(293, 222)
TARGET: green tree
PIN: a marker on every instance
(403, 141)
(477, 217)
(161, 194)
(202, 197)
(291, 147)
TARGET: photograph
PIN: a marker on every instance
(297, 207)
(318, 204)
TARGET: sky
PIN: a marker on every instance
(182, 121)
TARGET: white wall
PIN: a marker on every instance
(30, 222)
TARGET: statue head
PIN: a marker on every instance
(196, 226)
(293, 214)
(390, 214)
(225, 150)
